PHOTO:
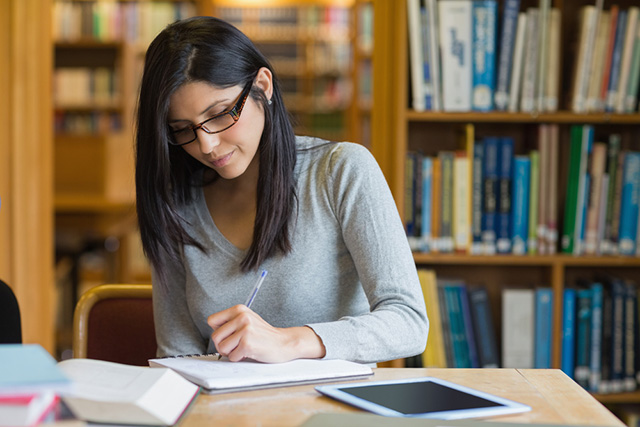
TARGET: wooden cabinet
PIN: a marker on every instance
(398, 129)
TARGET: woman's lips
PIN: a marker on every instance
(222, 161)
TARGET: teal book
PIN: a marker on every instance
(27, 368)
(583, 337)
(542, 332)
(567, 363)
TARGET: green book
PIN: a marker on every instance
(631, 96)
(534, 193)
(571, 201)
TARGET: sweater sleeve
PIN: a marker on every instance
(397, 323)
(176, 333)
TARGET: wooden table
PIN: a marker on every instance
(553, 396)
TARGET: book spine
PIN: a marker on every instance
(613, 150)
(484, 329)
(553, 78)
(595, 356)
(567, 363)
(518, 327)
(446, 217)
(505, 58)
(520, 205)
(604, 385)
(611, 39)
(630, 344)
(461, 200)
(543, 322)
(409, 197)
(614, 75)
(583, 189)
(505, 167)
(455, 51)
(627, 57)
(543, 146)
(446, 325)
(460, 351)
(434, 52)
(617, 348)
(426, 64)
(532, 49)
(552, 193)
(476, 201)
(602, 213)
(416, 55)
(472, 346)
(490, 202)
(583, 337)
(597, 63)
(588, 27)
(484, 17)
(434, 355)
(518, 63)
(543, 54)
(631, 95)
(597, 168)
(427, 204)
(629, 204)
(534, 190)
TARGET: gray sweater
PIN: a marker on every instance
(350, 276)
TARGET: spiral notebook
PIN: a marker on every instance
(217, 374)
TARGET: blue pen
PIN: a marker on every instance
(256, 288)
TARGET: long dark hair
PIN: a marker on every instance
(206, 49)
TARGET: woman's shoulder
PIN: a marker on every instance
(333, 154)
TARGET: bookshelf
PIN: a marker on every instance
(398, 129)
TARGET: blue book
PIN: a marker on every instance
(628, 228)
(427, 204)
(616, 61)
(567, 362)
(505, 58)
(490, 194)
(630, 336)
(428, 80)
(543, 322)
(484, 15)
(583, 337)
(595, 356)
(487, 344)
(476, 198)
(456, 323)
(474, 361)
(505, 168)
(618, 296)
(520, 204)
(30, 368)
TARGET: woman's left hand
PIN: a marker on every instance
(240, 333)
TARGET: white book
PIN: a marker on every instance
(106, 392)
(594, 102)
(552, 86)
(433, 25)
(516, 69)
(543, 54)
(416, 58)
(627, 56)
(455, 51)
(219, 375)
(529, 73)
(518, 328)
(588, 26)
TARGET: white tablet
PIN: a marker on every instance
(424, 397)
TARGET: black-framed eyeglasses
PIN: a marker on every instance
(216, 124)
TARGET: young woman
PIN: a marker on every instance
(226, 190)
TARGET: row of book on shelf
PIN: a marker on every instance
(111, 21)
(600, 332)
(462, 61)
(484, 199)
(86, 122)
(74, 86)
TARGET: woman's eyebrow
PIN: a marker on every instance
(203, 111)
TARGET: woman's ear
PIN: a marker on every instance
(264, 80)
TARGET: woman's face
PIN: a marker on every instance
(231, 151)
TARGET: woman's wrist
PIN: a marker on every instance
(306, 344)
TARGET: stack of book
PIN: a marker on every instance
(456, 64)
(600, 335)
(30, 382)
(485, 199)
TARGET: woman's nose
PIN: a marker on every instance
(207, 142)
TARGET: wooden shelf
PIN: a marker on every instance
(527, 260)
(628, 397)
(560, 117)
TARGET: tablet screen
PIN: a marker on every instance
(424, 397)
(419, 397)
